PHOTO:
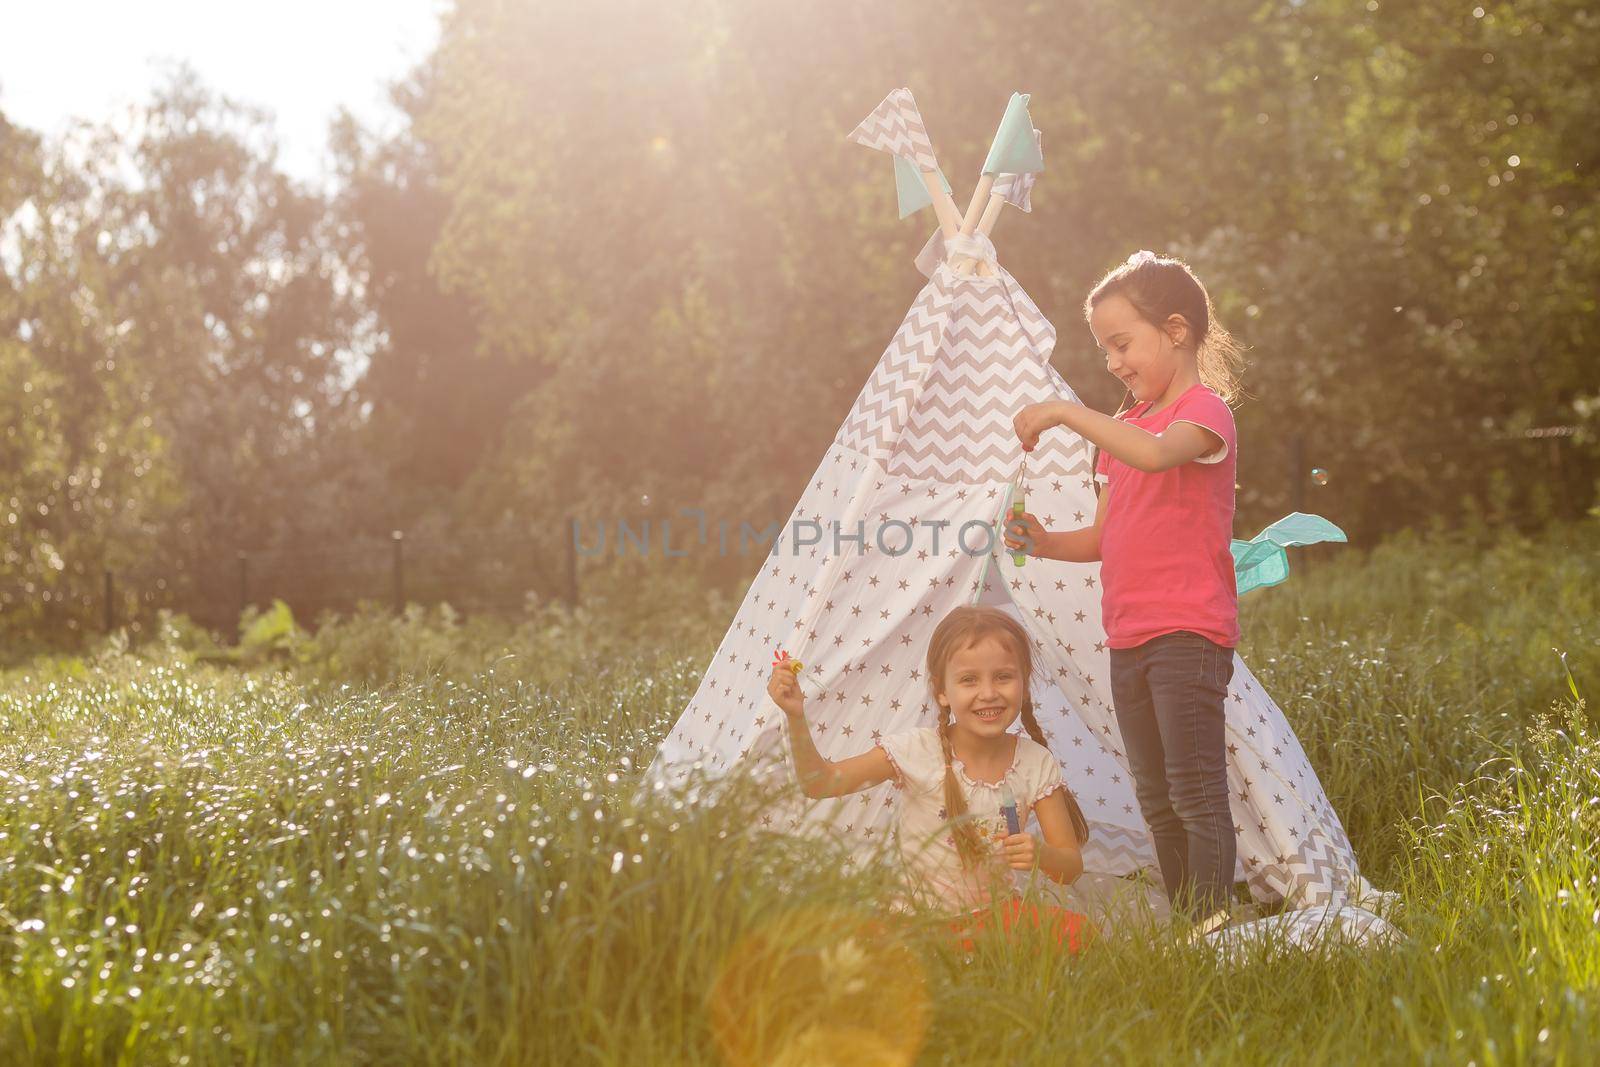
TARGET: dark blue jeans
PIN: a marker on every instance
(1168, 694)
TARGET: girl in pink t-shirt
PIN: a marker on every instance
(1162, 530)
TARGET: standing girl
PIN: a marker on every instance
(953, 836)
(1162, 529)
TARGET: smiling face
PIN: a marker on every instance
(983, 688)
(1143, 356)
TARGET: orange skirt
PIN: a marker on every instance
(1067, 931)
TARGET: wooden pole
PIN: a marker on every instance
(969, 224)
(944, 205)
(979, 201)
(991, 214)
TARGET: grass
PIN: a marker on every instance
(423, 840)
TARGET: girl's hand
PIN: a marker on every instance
(784, 689)
(1024, 532)
(1019, 851)
(1034, 420)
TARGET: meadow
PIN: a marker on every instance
(421, 839)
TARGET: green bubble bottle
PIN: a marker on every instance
(1019, 505)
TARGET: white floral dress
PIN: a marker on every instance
(927, 846)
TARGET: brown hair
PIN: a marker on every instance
(1162, 286)
(962, 628)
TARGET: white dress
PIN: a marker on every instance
(926, 844)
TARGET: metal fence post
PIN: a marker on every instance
(570, 553)
(1297, 473)
(244, 583)
(398, 540)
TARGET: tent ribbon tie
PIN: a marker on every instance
(976, 246)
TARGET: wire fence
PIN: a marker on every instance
(497, 572)
(482, 574)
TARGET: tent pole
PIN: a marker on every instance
(991, 214)
(980, 200)
(943, 205)
(969, 222)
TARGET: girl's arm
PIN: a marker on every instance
(1059, 855)
(1137, 447)
(1073, 546)
(828, 778)
(1081, 545)
(820, 777)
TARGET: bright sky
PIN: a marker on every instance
(301, 59)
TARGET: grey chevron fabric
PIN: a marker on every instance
(895, 126)
(894, 530)
(971, 352)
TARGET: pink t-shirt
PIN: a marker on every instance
(1166, 564)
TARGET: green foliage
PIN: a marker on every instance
(666, 279)
(267, 634)
(1394, 206)
(646, 273)
(435, 862)
(176, 636)
(169, 357)
(1404, 668)
(84, 475)
(622, 619)
(439, 399)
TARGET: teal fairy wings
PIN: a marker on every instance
(1263, 561)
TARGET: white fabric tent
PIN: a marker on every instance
(925, 461)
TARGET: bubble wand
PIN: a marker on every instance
(783, 659)
(1008, 806)
(1019, 505)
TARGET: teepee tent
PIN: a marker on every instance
(899, 525)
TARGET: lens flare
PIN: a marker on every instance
(820, 986)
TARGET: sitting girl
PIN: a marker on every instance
(952, 828)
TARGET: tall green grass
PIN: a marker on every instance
(389, 858)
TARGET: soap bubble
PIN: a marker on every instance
(1319, 475)
(644, 501)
